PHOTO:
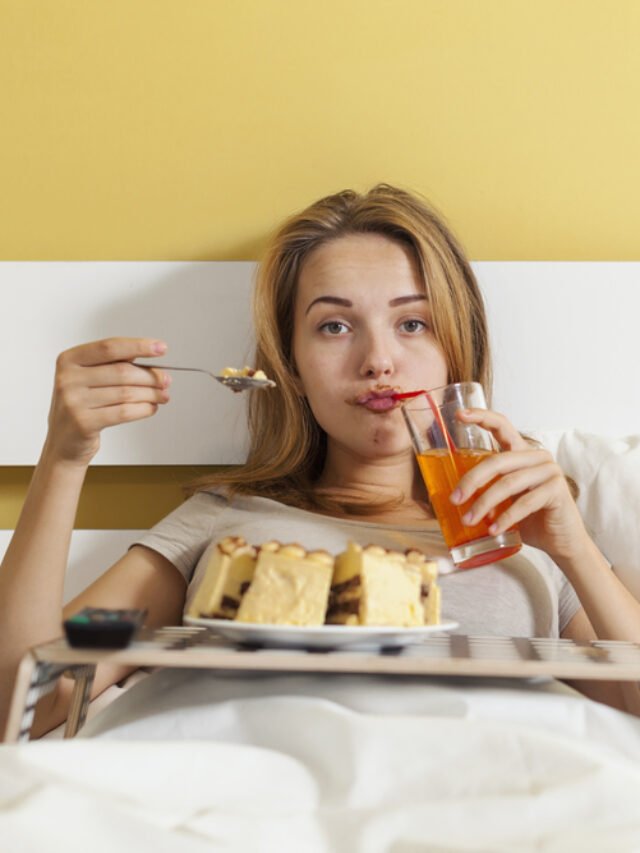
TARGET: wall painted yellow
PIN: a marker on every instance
(127, 497)
(186, 129)
(172, 129)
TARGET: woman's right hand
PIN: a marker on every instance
(97, 386)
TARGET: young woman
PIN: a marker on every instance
(357, 295)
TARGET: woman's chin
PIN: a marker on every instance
(387, 442)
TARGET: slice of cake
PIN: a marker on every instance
(374, 586)
(226, 579)
(290, 586)
(429, 588)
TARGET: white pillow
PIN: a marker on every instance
(607, 471)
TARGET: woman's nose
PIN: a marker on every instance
(377, 361)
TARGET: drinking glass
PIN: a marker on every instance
(446, 448)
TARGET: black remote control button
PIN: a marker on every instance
(100, 628)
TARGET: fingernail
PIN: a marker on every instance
(166, 381)
(493, 529)
(456, 496)
(467, 518)
(159, 347)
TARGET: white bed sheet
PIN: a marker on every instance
(371, 764)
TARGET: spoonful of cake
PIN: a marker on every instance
(236, 378)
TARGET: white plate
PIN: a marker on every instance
(322, 637)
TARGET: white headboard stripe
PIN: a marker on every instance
(564, 341)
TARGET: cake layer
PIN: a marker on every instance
(290, 587)
(429, 587)
(375, 586)
(227, 577)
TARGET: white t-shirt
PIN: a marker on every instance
(523, 596)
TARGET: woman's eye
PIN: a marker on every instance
(412, 326)
(334, 327)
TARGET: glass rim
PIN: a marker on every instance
(411, 401)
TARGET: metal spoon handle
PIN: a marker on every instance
(189, 369)
(236, 383)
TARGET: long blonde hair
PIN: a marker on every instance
(287, 446)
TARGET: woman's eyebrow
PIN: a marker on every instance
(346, 303)
(332, 300)
(403, 300)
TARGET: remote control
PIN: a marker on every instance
(97, 627)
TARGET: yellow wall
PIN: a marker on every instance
(186, 129)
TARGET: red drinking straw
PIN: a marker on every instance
(405, 395)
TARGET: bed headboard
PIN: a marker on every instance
(563, 334)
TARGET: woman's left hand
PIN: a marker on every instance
(543, 506)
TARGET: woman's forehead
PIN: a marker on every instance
(359, 259)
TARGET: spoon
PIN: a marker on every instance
(236, 383)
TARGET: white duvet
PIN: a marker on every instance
(291, 763)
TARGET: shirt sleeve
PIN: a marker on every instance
(183, 535)
(568, 604)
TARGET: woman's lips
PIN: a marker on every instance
(380, 404)
(378, 401)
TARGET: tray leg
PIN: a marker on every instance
(83, 676)
(20, 715)
(33, 680)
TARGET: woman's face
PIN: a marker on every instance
(362, 330)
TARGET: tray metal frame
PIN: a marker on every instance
(199, 647)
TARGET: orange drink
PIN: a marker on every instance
(446, 448)
(441, 473)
